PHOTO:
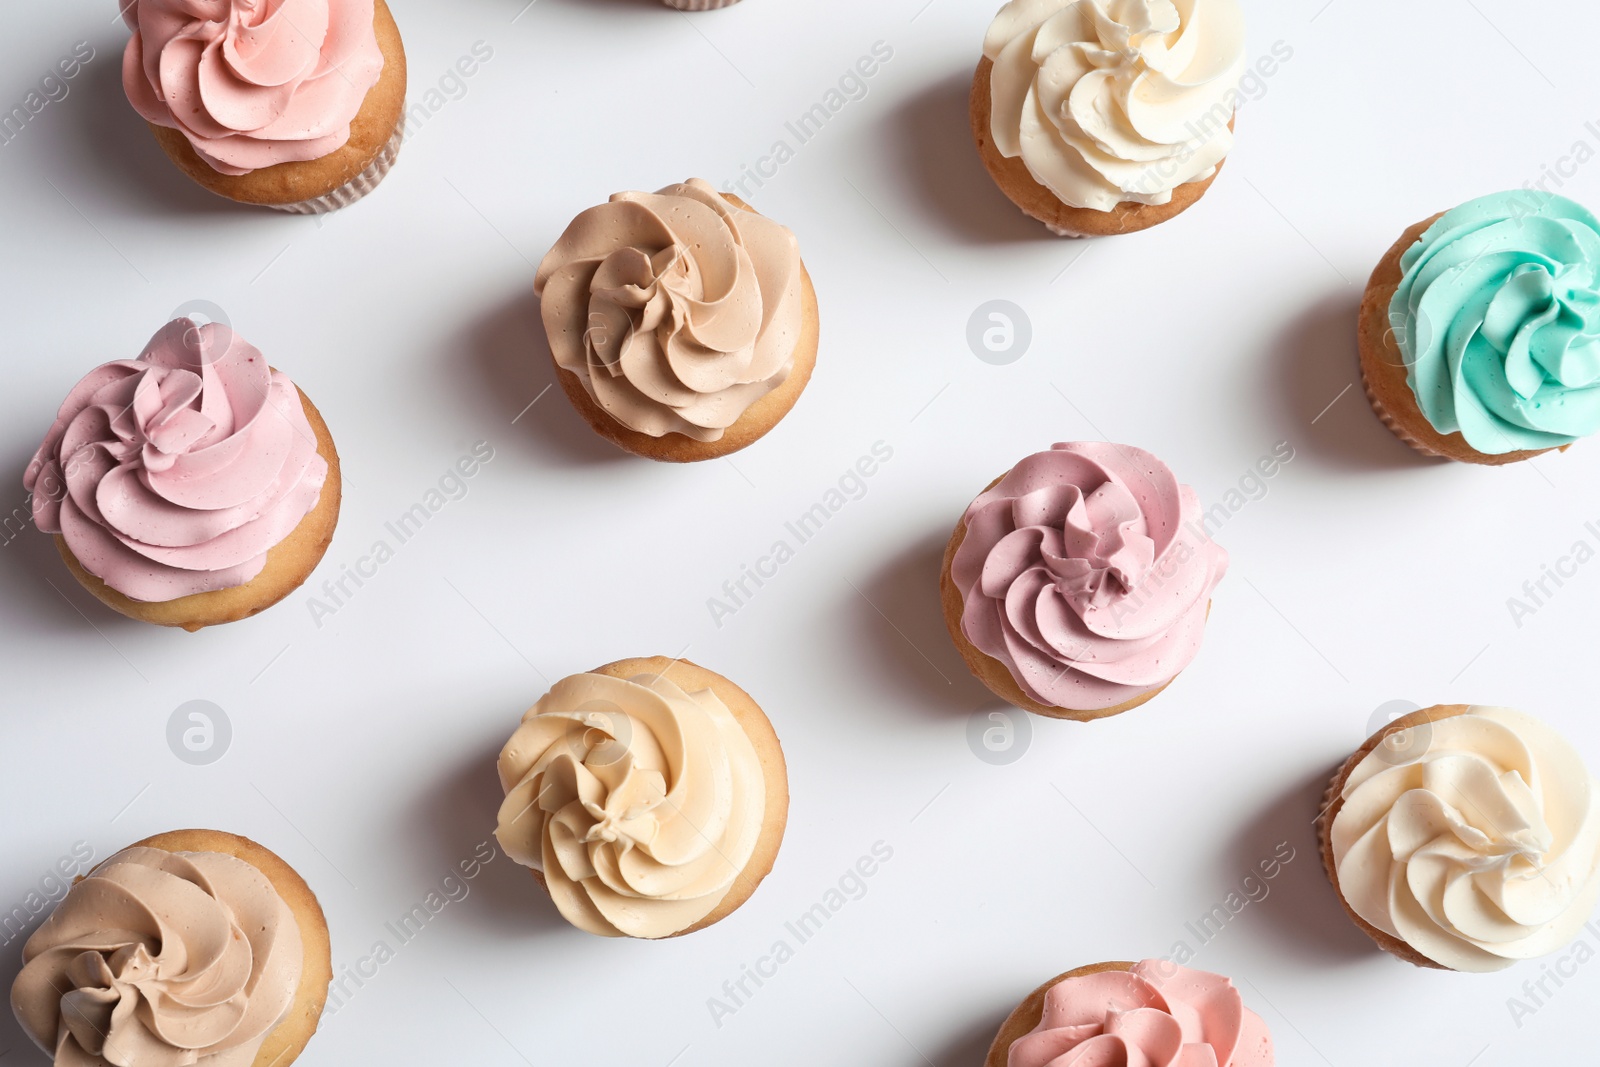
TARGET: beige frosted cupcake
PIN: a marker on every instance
(1121, 122)
(194, 946)
(1151, 1012)
(190, 487)
(1464, 838)
(649, 797)
(298, 107)
(683, 323)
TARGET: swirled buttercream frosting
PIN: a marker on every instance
(252, 83)
(1087, 572)
(161, 959)
(1115, 101)
(1497, 317)
(1474, 839)
(639, 802)
(1157, 1014)
(175, 473)
(675, 310)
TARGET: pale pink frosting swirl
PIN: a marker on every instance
(1156, 1015)
(175, 473)
(1087, 572)
(252, 83)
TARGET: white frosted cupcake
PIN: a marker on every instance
(1465, 838)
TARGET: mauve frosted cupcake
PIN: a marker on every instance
(1077, 585)
(192, 486)
(296, 105)
(1153, 1013)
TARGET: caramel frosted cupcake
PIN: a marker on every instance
(1077, 585)
(194, 947)
(683, 324)
(192, 486)
(1153, 1013)
(295, 105)
(1465, 838)
(1102, 118)
(648, 796)
(1480, 329)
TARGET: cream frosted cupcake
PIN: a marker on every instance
(1465, 838)
(1077, 585)
(193, 947)
(294, 105)
(1480, 329)
(683, 323)
(192, 486)
(1153, 1013)
(648, 796)
(1101, 117)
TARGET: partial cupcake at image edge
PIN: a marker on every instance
(648, 797)
(1151, 1012)
(1100, 120)
(192, 486)
(1078, 584)
(1464, 838)
(194, 945)
(682, 323)
(298, 107)
(699, 5)
(1480, 329)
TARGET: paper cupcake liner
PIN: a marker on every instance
(1390, 421)
(356, 187)
(699, 5)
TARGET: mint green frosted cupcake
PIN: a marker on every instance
(1480, 330)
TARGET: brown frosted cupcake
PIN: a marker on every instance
(1478, 330)
(1122, 123)
(1077, 585)
(192, 486)
(1151, 1012)
(683, 323)
(1464, 838)
(649, 797)
(297, 107)
(189, 947)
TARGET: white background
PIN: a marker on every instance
(363, 749)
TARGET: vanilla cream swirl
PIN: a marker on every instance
(1114, 101)
(676, 310)
(161, 959)
(1477, 850)
(639, 802)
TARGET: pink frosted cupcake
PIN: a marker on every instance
(1153, 1013)
(1077, 585)
(294, 105)
(192, 486)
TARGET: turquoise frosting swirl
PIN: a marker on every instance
(1497, 318)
